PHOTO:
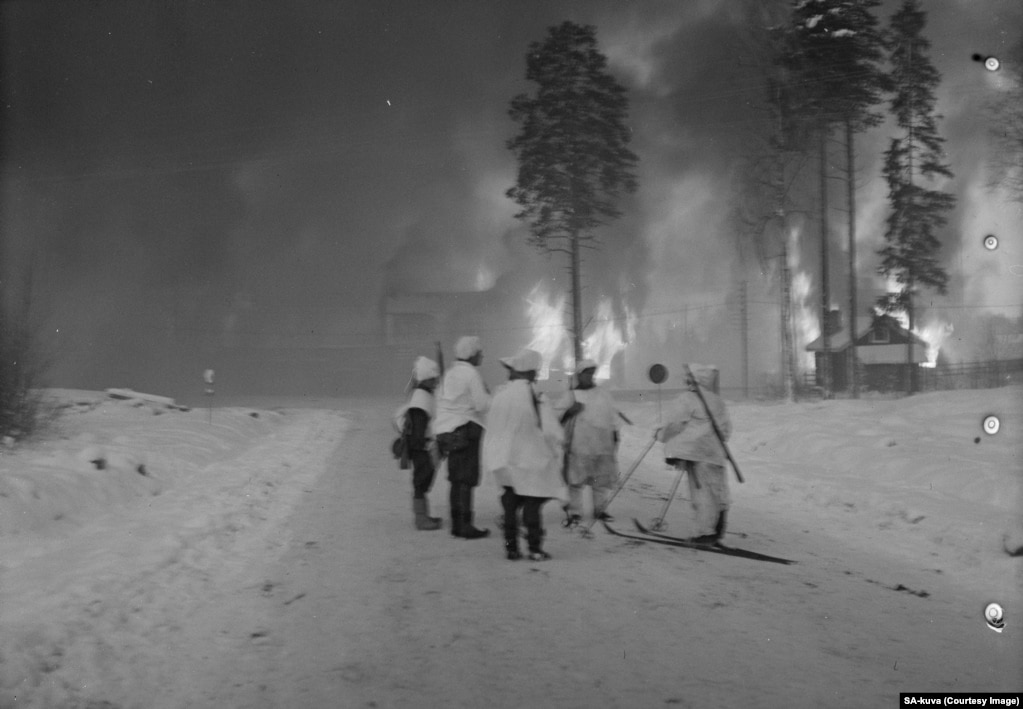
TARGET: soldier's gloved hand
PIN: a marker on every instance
(574, 409)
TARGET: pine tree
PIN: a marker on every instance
(572, 149)
(835, 50)
(770, 171)
(913, 164)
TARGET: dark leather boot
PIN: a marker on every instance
(423, 520)
(455, 503)
(469, 531)
(719, 528)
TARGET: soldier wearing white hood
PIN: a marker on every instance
(591, 415)
(691, 444)
(522, 450)
(461, 407)
(414, 419)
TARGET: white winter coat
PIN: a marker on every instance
(596, 425)
(462, 398)
(520, 449)
(688, 433)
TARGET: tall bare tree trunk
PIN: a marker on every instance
(825, 285)
(744, 327)
(788, 364)
(852, 378)
(577, 305)
(910, 366)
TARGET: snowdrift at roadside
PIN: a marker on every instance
(102, 451)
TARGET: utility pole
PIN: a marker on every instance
(744, 325)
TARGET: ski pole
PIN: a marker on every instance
(713, 423)
(632, 469)
(658, 523)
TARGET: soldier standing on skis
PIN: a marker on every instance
(691, 444)
(591, 426)
(461, 406)
(522, 450)
(414, 420)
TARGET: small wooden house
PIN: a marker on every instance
(881, 344)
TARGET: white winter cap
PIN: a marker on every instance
(525, 361)
(424, 369)
(584, 364)
(467, 346)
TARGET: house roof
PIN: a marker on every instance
(864, 324)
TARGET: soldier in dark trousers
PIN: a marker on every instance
(462, 403)
(414, 419)
(522, 451)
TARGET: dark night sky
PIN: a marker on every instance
(175, 166)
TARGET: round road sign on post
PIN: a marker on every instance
(658, 373)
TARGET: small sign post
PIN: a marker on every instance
(208, 378)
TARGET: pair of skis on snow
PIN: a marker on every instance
(647, 535)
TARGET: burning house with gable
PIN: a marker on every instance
(881, 351)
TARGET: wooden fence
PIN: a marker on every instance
(971, 375)
(958, 375)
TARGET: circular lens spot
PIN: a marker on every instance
(992, 64)
(990, 242)
(994, 615)
(991, 425)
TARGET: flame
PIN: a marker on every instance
(546, 319)
(805, 317)
(550, 336)
(607, 339)
(934, 334)
(484, 278)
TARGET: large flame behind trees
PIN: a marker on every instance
(607, 335)
(834, 50)
(572, 150)
(821, 66)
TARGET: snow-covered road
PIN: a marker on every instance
(287, 573)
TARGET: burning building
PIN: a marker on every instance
(881, 345)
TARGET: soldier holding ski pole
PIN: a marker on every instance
(695, 441)
(590, 419)
(621, 485)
